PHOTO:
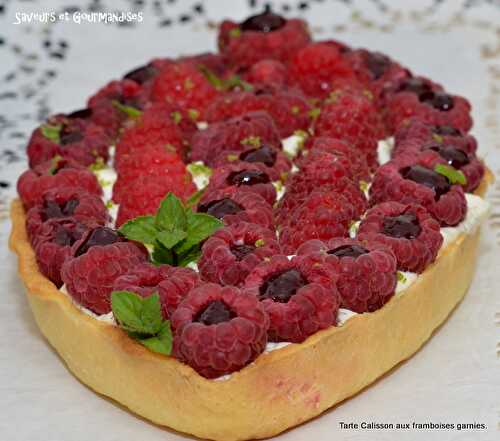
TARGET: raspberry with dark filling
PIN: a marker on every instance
(100, 236)
(267, 21)
(247, 177)
(220, 208)
(300, 296)
(438, 183)
(438, 100)
(85, 113)
(142, 74)
(407, 229)
(219, 330)
(446, 131)
(264, 154)
(232, 252)
(365, 271)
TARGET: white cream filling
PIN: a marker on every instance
(384, 150)
(292, 145)
(106, 318)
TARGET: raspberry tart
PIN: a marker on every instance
(251, 226)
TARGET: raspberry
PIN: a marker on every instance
(66, 202)
(268, 73)
(299, 295)
(53, 243)
(322, 215)
(98, 259)
(215, 63)
(408, 230)
(315, 66)
(232, 205)
(183, 85)
(231, 253)
(236, 134)
(404, 182)
(353, 118)
(274, 162)
(59, 173)
(254, 39)
(152, 161)
(144, 194)
(77, 139)
(245, 177)
(288, 108)
(219, 330)
(414, 130)
(170, 282)
(347, 156)
(366, 271)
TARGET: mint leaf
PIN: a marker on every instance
(235, 81)
(151, 314)
(141, 229)
(52, 133)
(171, 214)
(189, 256)
(127, 309)
(161, 255)
(213, 79)
(200, 226)
(195, 198)
(162, 342)
(170, 238)
(454, 176)
(128, 110)
(401, 277)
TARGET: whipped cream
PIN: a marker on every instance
(384, 149)
(106, 318)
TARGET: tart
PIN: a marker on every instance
(268, 219)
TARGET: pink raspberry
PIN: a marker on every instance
(56, 173)
(232, 252)
(366, 271)
(219, 330)
(268, 72)
(408, 230)
(170, 282)
(404, 182)
(236, 134)
(233, 205)
(299, 295)
(98, 259)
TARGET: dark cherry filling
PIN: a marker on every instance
(247, 177)
(265, 154)
(455, 157)
(53, 210)
(446, 131)
(281, 287)
(141, 74)
(427, 177)
(268, 21)
(80, 114)
(66, 237)
(348, 251)
(215, 312)
(404, 225)
(69, 136)
(377, 64)
(220, 208)
(98, 236)
(416, 86)
(241, 251)
(439, 100)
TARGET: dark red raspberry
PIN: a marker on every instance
(315, 66)
(268, 72)
(53, 244)
(183, 85)
(219, 330)
(414, 131)
(253, 40)
(232, 205)
(276, 164)
(170, 282)
(78, 139)
(152, 161)
(299, 295)
(245, 177)
(66, 202)
(98, 259)
(144, 194)
(236, 134)
(231, 253)
(288, 108)
(404, 182)
(408, 230)
(322, 215)
(212, 62)
(366, 271)
(56, 173)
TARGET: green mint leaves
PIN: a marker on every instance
(234, 81)
(130, 111)
(141, 318)
(52, 133)
(175, 233)
(454, 176)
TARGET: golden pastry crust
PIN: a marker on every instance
(280, 389)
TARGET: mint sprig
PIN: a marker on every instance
(175, 233)
(52, 133)
(224, 84)
(141, 318)
(130, 111)
(454, 176)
